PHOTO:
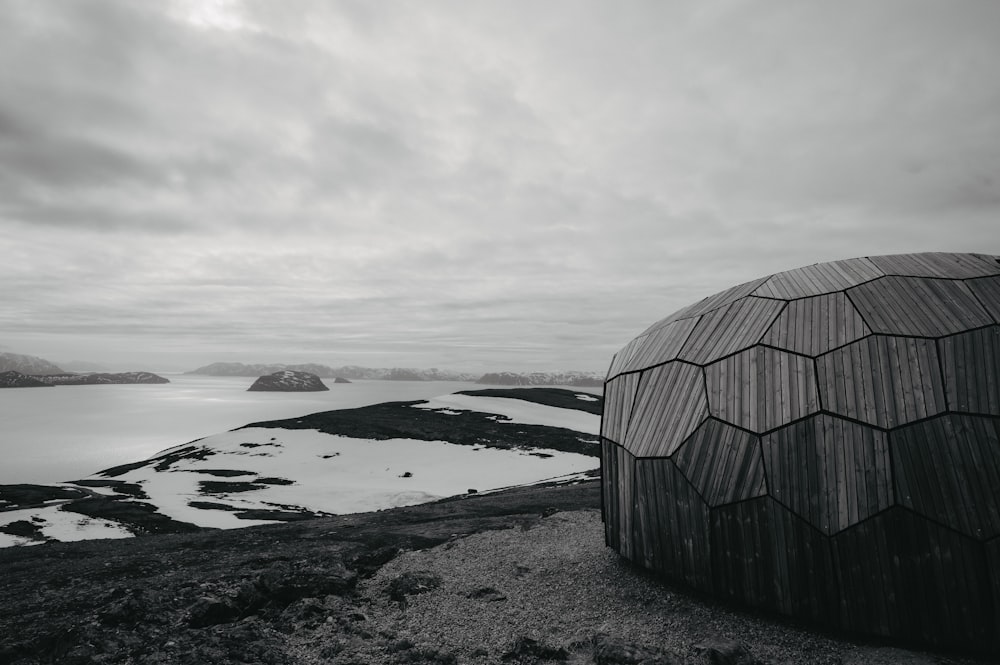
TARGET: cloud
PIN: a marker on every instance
(467, 184)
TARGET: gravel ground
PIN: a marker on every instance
(558, 589)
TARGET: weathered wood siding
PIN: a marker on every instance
(723, 463)
(882, 380)
(815, 325)
(730, 329)
(819, 279)
(823, 442)
(948, 469)
(761, 388)
(831, 472)
(970, 363)
(669, 405)
(918, 306)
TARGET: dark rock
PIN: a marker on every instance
(413, 583)
(211, 611)
(274, 481)
(307, 611)
(528, 650)
(287, 380)
(226, 486)
(247, 641)
(340, 379)
(406, 474)
(723, 651)
(286, 584)
(613, 651)
(22, 528)
(368, 562)
(128, 610)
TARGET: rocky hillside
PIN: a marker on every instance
(511, 578)
(288, 381)
(98, 378)
(27, 364)
(12, 379)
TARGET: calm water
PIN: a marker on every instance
(67, 432)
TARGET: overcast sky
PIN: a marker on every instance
(469, 185)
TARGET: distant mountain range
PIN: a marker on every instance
(323, 371)
(20, 371)
(14, 379)
(95, 378)
(27, 364)
(39, 367)
(581, 379)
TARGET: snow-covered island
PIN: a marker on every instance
(333, 462)
(289, 381)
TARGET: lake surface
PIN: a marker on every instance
(63, 433)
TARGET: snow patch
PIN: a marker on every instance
(66, 526)
(337, 474)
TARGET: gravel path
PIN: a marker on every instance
(557, 585)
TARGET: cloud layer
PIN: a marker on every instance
(502, 185)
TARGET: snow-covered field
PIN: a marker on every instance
(210, 481)
(335, 474)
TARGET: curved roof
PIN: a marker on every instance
(837, 422)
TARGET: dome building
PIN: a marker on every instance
(824, 443)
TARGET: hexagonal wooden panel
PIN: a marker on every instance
(762, 388)
(831, 472)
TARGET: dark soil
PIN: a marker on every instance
(230, 596)
(558, 397)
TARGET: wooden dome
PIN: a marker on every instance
(822, 442)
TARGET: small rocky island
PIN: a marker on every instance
(289, 381)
